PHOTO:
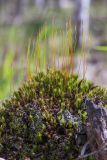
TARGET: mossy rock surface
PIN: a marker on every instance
(43, 118)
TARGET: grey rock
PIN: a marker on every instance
(97, 129)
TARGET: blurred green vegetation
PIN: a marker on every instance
(14, 44)
(46, 32)
(10, 74)
(22, 54)
(101, 48)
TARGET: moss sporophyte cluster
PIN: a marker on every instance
(33, 122)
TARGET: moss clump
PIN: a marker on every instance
(32, 123)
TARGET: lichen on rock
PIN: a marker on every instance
(46, 117)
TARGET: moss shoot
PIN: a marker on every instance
(32, 123)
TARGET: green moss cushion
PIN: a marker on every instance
(45, 119)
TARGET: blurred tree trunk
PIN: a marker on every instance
(46, 3)
(2, 2)
(25, 4)
(18, 7)
(41, 3)
(82, 21)
(56, 4)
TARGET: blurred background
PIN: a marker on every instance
(37, 34)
